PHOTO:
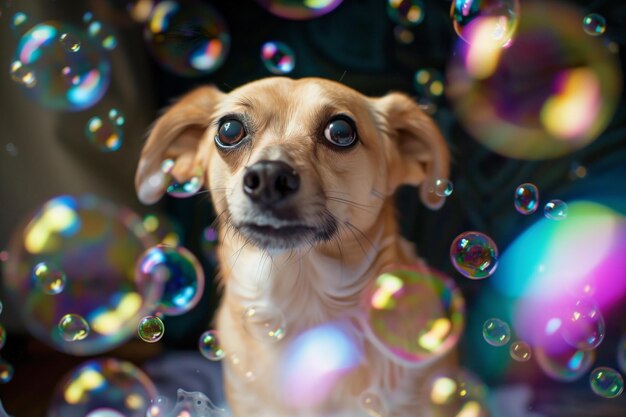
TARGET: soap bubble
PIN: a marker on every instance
(474, 255)
(583, 325)
(22, 74)
(181, 189)
(73, 327)
(96, 244)
(264, 323)
(6, 371)
(195, 404)
(406, 12)
(3, 336)
(442, 187)
(496, 332)
(496, 20)
(241, 366)
(594, 24)
(48, 278)
(458, 394)
(210, 347)
(414, 315)
(278, 57)
(159, 407)
(606, 382)
(178, 272)
(528, 101)
(429, 85)
(46, 49)
(555, 210)
(188, 38)
(564, 365)
(520, 351)
(106, 134)
(19, 22)
(372, 404)
(150, 329)
(103, 387)
(299, 9)
(526, 198)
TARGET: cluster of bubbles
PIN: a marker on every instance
(103, 387)
(299, 9)
(414, 314)
(526, 201)
(72, 270)
(106, 133)
(61, 66)
(188, 38)
(520, 104)
(183, 189)
(474, 255)
(278, 57)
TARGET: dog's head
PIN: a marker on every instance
(290, 163)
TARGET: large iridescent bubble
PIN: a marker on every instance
(95, 244)
(47, 56)
(188, 38)
(299, 9)
(414, 314)
(103, 388)
(552, 90)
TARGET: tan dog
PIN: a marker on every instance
(302, 174)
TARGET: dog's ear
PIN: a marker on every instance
(176, 135)
(417, 153)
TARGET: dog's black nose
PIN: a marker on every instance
(269, 182)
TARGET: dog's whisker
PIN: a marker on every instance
(351, 203)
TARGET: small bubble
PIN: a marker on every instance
(583, 325)
(109, 42)
(116, 117)
(73, 327)
(241, 367)
(526, 199)
(48, 278)
(151, 329)
(474, 255)
(594, 24)
(6, 371)
(520, 351)
(278, 57)
(496, 332)
(106, 135)
(555, 210)
(158, 407)
(22, 74)
(264, 323)
(442, 188)
(406, 12)
(70, 42)
(210, 347)
(606, 382)
(18, 21)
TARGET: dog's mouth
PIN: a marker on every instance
(285, 235)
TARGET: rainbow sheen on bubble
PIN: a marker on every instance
(22, 74)
(96, 244)
(526, 198)
(527, 100)
(583, 324)
(187, 38)
(19, 22)
(458, 394)
(555, 210)
(73, 327)
(107, 133)
(177, 272)
(414, 314)
(41, 51)
(181, 189)
(210, 347)
(486, 23)
(372, 404)
(299, 9)
(103, 387)
(406, 12)
(3, 336)
(442, 187)
(520, 351)
(606, 382)
(151, 329)
(594, 24)
(278, 57)
(474, 255)
(496, 332)
(265, 323)
(49, 278)
(6, 371)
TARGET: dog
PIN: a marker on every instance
(302, 175)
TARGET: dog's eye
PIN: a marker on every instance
(230, 133)
(340, 132)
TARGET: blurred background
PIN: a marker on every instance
(525, 92)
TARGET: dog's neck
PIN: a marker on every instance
(317, 284)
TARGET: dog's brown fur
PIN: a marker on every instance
(318, 280)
